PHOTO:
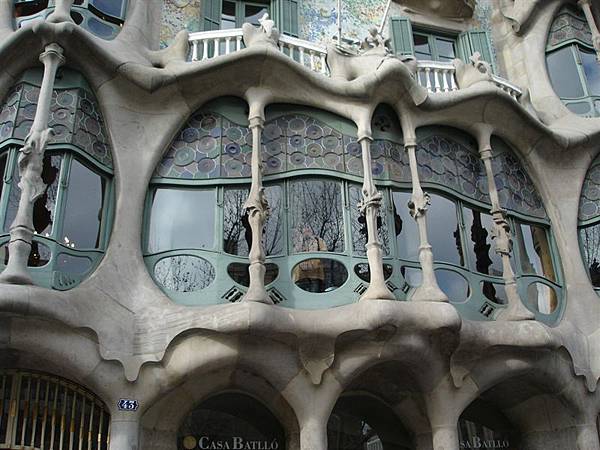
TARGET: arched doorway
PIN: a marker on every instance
(483, 425)
(363, 422)
(231, 420)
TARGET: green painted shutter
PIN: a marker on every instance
(211, 15)
(402, 37)
(473, 41)
(285, 15)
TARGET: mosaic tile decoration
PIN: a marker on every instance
(74, 116)
(516, 191)
(451, 164)
(179, 15)
(566, 27)
(589, 203)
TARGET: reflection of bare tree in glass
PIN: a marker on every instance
(359, 226)
(184, 273)
(590, 239)
(237, 236)
(317, 205)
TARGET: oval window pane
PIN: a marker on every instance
(182, 218)
(240, 274)
(362, 271)
(454, 285)
(38, 257)
(184, 273)
(73, 264)
(319, 275)
(542, 298)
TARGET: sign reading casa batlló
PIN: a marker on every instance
(480, 443)
(233, 443)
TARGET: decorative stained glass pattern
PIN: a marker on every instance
(568, 25)
(516, 191)
(589, 204)
(74, 116)
(451, 164)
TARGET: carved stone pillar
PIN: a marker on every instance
(515, 309)
(62, 12)
(257, 208)
(369, 206)
(429, 291)
(587, 10)
(31, 160)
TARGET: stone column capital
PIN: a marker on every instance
(53, 53)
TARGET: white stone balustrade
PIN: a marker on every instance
(435, 76)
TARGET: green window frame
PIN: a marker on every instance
(67, 264)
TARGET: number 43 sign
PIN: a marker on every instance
(126, 404)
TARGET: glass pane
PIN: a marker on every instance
(363, 271)
(240, 274)
(184, 273)
(228, 16)
(494, 292)
(542, 297)
(319, 275)
(73, 264)
(445, 49)
(563, 73)
(590, 242)
(316, 219)
(536, 256)
(591, 68)
(422, 48)
(3, 161)
(182, 218)
(443, 231)
(405, 227)
(479, 227)
(113, 8)
(39, 255)
(454, 285)
(84, 207)
(581, 108)
(412, 276)
(45, 205)
(359, 225)
(237, 235)
(254, 12)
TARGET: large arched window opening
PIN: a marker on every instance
(198, 235)
(572, 62)
(589, 223)
(39, 410)
(72, 217)
(363, 422)
(231, 420)
(483, 425)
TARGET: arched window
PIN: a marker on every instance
(589, 223)
(231, 420)
(104, 18)
(72, 217)
(199, 235)
(572, 63)
(38, 410)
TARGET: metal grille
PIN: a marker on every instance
(42, 412)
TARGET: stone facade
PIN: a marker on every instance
(421, 353)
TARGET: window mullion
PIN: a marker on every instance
(219, 218)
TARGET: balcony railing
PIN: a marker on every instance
(435, 76)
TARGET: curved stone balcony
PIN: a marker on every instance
(436, 76)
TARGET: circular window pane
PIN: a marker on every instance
(454, 285)
(240, 274)
(319, 275)
(362, 271)
(542, 298)
(184, 273)
(38, 257)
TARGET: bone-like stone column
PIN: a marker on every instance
(257, 208)
(124, 433)
(418, 205)
(515, 309)
(587, 10)
(369, 206)
(62, 12)
(31, 160)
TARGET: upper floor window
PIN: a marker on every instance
(72, 217)
(229, 14)
(589, 223)
(103, 18)
(433, 47)
(572, 63)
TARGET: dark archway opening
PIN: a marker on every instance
(231, 420)
(362, 422)
(482, 425)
